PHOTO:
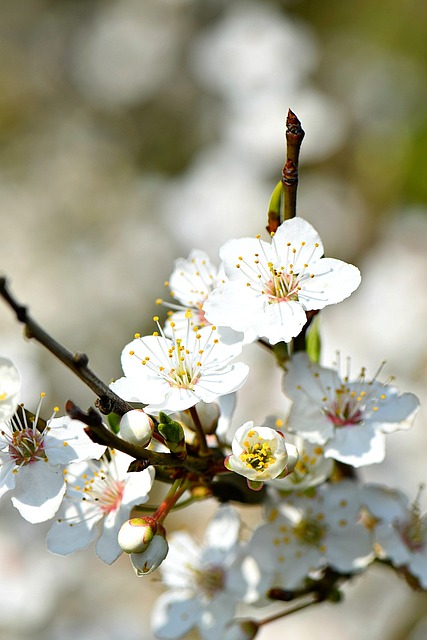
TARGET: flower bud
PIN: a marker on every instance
(173, 435)
(136, 427)
(240, 630)
(149, 560)
(136, 534)
(208, 413)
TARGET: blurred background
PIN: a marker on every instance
(132, 131)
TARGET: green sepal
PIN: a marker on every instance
(313, 343)
(255, 485)
(114, 422)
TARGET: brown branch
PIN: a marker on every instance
(294, 137)
(108, 401)
(100, 434)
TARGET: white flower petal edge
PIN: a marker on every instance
(10, 388)
(206, 582)
(170, 375)
(98, 500)
(306, 533)
(348, 418)
(271, 286)
(32, 462)
(400, 529)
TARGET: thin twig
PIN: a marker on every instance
(102, 435)
(77, 362)
(294, 137)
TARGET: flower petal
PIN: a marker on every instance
(39, 491)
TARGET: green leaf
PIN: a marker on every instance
(172, 432)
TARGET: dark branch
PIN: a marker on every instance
(294, 137)
(100, 434)
(108, 401)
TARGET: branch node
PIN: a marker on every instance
(81, 359)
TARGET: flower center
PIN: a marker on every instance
(104, 490)
(310, 531)
(258, 453)
(210, 580)
(174, 362)
(283, 286)
(346, 409)
(414, 531)
(26, 446)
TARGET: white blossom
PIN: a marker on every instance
(399, 529)
(311, 469)
(260, 453)
(98, 501)
(205, 583)
(32, 460)
(306, 533)
(349, 419)
(271, 286)
(173, 375)
(190, 284)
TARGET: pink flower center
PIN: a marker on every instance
(112, 496)
(346, 409)
(282, 287)
(414, 531)
(25, 446)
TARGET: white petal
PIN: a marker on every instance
(138, 486)
(129, 389)
(384, 503)
(7, 477)
(356, 445)
(39, 491)
(392, 545)
(174, 614)
(333, 281)
(350, 550)
(223, 530)
(221, 383)
(234, 305)
(10, 388)
(215, 616)
(193, 278)
(184, 554)
(418, 567)
(107, 546)
(297, 231)
(67, 442)
(71, 532)
(305, 382)
(396, 412)
(281, 321)
(244, 251)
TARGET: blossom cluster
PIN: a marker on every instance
(318, 522)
